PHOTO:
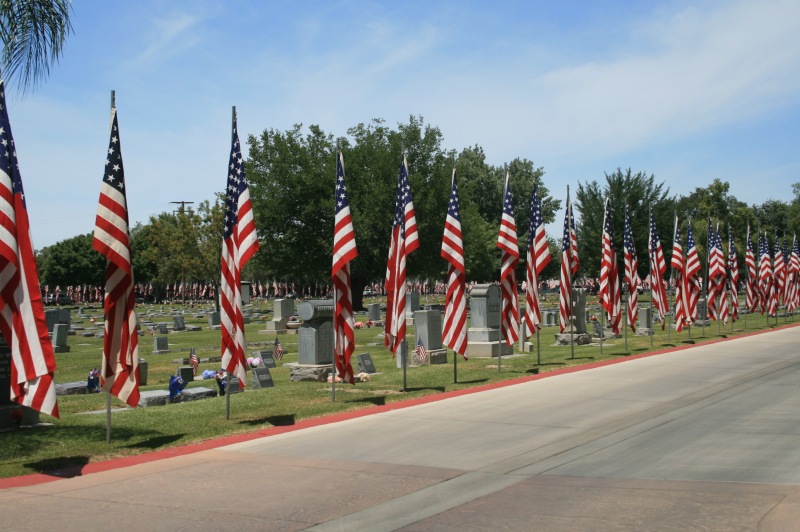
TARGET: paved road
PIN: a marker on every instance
(702, 438)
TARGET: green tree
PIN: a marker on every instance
(33, 34)
(640, 193)
(71, 262)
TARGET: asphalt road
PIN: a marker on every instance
(706, 438)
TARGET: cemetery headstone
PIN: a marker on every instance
(597, 329)
(315, 342)
(233, 384)
(245, 287)
(162, 328)
(428, 324)
(365, 364)
(579, 310)
(186, 373)
(412, 303)
(160, 344)
(178, 323)
(268, 359)
(213, 319)
(9, 410)
(60, 331)
(282, 311)
(261, 378)
(374, 312)
(646, 318)
(484, 334)
(142, 372)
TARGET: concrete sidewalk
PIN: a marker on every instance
(701, 438)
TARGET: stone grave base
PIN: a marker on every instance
(72, 388)
(309, 372)
(579, 339)
(644, 331)
(437, 356)
(61, 349)
(161, 397)
(487, 349)
(527, 347)
(17, 416)
(278, 331)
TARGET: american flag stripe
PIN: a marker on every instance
(631, 273)
(537, 258)
(692, 285)
(120, 369)
(410, 220)
(395, 326)
(677, 265)
(609, 278)
(344, 250)
(658, 266)
(508, 243)
(733, 264)
(238, 224)
(454, 330)
(565, 282)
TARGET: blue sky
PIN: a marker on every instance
(687, 91)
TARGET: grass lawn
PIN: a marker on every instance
(79, 437)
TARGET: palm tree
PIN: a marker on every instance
(33, 34)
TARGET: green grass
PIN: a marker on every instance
(79, 437)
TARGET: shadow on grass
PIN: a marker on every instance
(690, 342)
(422, 388)
(552, 364)
(473, 381)
(376, 401)
(581, 358)
(62, 467)
(281, 420)
(155, 442)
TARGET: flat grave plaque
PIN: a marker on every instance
(261, 378)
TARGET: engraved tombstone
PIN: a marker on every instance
(412, 303)
(160, 344)
(213, 319)
(483, 337)
(282, 311)
(261, 378)
(8, 407)
(315, 342)
(429, 328)
(579, 310)
(645, 318)
(245, 285)
(178, 323)
(60, 338)
(374, 312)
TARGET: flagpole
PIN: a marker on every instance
(538, 348)
(705, 280)
(625, 319)
(571, 324)
(333, 369)
(652, 277)
(108, 393)
(229, 377)
(455, 367)
(671, 277)
(602, 327)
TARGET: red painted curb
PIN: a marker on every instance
(97, 467)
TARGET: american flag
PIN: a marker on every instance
(344, 250)
(691, 272)
(538, 258)
(658, 266)
(733, 264)
(193, 360)
(277, 350)
(239, 243)
(751, 286)
(567, 271)
(631, 273)
(716, 273)
(609, 276)
(779, 270)
(793, 295)
(120, 369)
(767, 279)
(508, 243)
(422, 354)
(22, 321)
(403, 241)
(676, 263)
(454, 331)
(573, 239)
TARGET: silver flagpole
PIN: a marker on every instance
(108, 394)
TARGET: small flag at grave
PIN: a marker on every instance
(193, 361)
(422, 354)
(277, 351)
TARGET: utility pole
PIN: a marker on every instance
(182, 204)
